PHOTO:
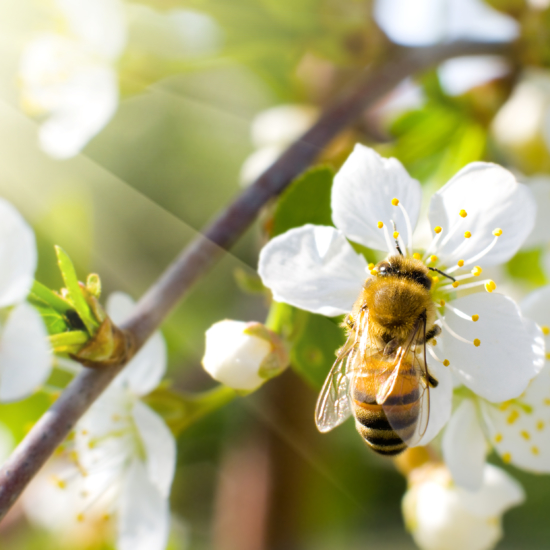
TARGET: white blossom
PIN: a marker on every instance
(70, 76)
(272, 131)
(442, 516)
(482, 215)
(243, 355)
(25, 361)
(517, 429)
(123, 457)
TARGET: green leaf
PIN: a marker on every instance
(314, 351)
(69, 342)
(526, 266)
(55, 322)
(75, 293)
(48, 296)
(306, 200)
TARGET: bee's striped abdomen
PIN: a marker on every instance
(372, 423)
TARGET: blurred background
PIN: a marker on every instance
(209, 93)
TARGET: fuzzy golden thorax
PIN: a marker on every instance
(396, 298)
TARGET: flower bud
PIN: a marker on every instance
(440, 515)
(243, 355)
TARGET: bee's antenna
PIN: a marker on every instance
(442, 273)
(396, 241)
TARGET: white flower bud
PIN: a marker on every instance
(243, 355)
(442, 516)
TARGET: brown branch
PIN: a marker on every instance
(206, 250)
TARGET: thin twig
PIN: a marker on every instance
(52, 428)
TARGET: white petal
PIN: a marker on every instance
(144, 515)
(146, 369)
(362, 193)
(540, 235)
(159, 445)
(234, 357)
(25, 359)
(313, 268)
(536, 306)
(464, 447)
(511, 349)
(441, 399)
(499, 492)
(17, 255)
(99, 24)
(493, 199)
(519, 430)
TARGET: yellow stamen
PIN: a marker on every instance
(433, 258)
(467, 235)
(475, 318)
(441, 303)
(455, 284)
(477, 271)
(460, 263)
(548, 355)
(547, 401)
(373, 272)
(417, 256)
(438, 229)
(477, 342)
(498, 438)
(535, 450)
(514, 415)
(525, 435)
(463, 213)
(395, 202)
(371, 266)
(545, 330)
(80, 517)
(446, 362)
(497, 232)
(435, 279)
(490, 286)
(540, 425)
(61, 483)
(395, 234)
(506, 458)
(380, 225)
(434, 342)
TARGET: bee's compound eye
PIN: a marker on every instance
(384, 268)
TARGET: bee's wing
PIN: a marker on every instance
(405, 393)
(333, 405)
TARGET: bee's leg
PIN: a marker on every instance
(432, 381)
(391, 346)
(433, 332)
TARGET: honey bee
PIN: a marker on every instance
(381, 374)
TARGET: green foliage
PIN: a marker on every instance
(313, 351)
(306, 200)
(526, 266)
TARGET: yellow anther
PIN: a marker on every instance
(463, 213)
(467, 235)
(434, 342)
(460, 263)
(540, 425)
(475, 318)
(455, 284)
(446, 362)
(548, 355)
(477, 271)
(373, 272)
(547, 401)
(380, 225)
(84, 432)
(435, 279)
(490, 286)
(371, 266)
(525, 434)
(514, 415)
(438, 229)
(535, 450)
(80, 517)
(441, 303)
(61, 483)
(506, 458)
(395, 202)
(106, 517)
(545, 330)
(395, 234)
(477, 342)
(417, 256)
(498, 438)
(497, 232)
(433, 258)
